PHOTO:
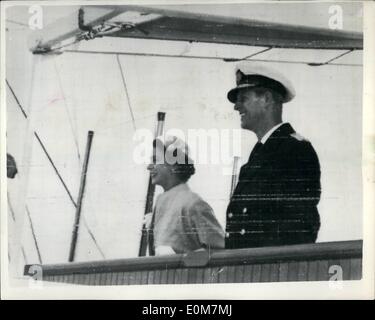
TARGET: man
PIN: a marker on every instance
(275, 200)
(181, 221)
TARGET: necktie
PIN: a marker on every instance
(255, 150)
(253, 153)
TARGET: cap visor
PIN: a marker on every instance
(232, 95)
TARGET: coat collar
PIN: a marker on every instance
(273, 142)
(281, 132)
(271, 145)
(269, 133)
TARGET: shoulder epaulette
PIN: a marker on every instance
(297, 136)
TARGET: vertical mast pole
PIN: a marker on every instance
(150, 194)
(73, 244)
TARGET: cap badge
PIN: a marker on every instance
(239, 76)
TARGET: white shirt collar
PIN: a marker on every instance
(268, 134)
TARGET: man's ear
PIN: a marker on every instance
(268, 98)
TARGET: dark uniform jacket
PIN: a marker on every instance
(275, 200)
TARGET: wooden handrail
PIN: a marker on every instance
(317, 251)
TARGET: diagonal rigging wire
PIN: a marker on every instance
(247, 57)
(161, 55)
(330, 60)
(126, 91)
(14, 219)
(11, 208)
(256, 53)
(15, 97)
(67, 111)
(339, 56)
(78, 154)
(17, 22)
(56, 171)
(92, 236)
(34, 236)
(24, 254)
(42, 145)
(54, 167)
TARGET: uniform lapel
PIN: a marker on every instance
(275, 140)
(250, 169)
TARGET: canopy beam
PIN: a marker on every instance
(163, 24)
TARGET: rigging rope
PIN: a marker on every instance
(67, 111)
(14, 220)
(15, 97)
(42, 145)
(34, 236)
(24, 255)
(56, 171)
(339, 56)
(247, 57)
(11, 208)
(330, 60)
(161, 55)
(92, 236)
(126, 91)
(54, 167)
(17, 22)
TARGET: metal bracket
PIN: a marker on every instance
(103, 29)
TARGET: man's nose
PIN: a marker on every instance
(236, 106)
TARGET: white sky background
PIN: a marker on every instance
(77, 92)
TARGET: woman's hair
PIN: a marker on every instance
(183, 171)
(183, 168)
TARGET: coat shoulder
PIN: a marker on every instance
(298, 137)
(297, 147)
(296, 141)
(192, 203)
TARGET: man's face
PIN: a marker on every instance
(160, 172)
(251, 108)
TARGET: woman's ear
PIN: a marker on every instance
(170, 169)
